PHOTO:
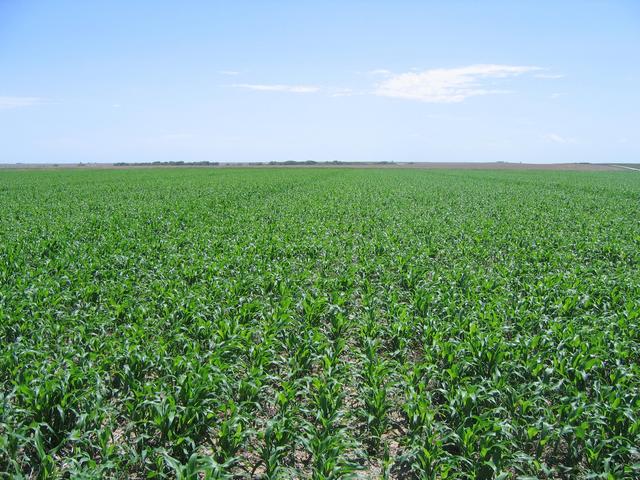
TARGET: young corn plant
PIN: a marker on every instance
(376, 403)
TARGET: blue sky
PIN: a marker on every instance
(518, 81)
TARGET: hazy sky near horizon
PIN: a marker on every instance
(525, 81)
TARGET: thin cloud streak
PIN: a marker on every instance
(380, 71)
(549, 76)
(555, 138)
(18, 102)
(279, 88)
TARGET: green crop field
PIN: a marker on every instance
(319, 323)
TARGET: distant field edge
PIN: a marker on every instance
(310, 164)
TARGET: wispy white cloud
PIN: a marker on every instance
(555, 138)
(448, 85)
(343, 92)
(19, 102)
(279, 88)
(380, 71)
(549, 76)
(229, 72)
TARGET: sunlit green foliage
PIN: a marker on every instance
(319, 323)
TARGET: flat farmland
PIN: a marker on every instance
(319, 323)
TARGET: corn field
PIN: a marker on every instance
(320, 323)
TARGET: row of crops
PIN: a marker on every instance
(319, 323)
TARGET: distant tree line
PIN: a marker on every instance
(168, 164)
(213, 164)
(332, 162)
